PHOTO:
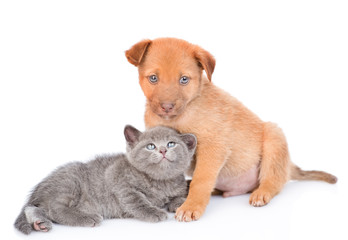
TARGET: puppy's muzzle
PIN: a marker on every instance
(167, 107)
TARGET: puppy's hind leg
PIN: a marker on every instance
(274, 167)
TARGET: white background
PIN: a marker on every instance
(67, 91)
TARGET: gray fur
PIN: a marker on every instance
(139, 184)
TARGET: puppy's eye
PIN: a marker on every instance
(184, 80)
(171, 144)
(153, 79)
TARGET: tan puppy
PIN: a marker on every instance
(237, 152)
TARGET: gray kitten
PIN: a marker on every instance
(133, 185)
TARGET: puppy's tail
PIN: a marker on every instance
(22, 223)
(299, 174)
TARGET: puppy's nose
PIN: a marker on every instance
(167, 107)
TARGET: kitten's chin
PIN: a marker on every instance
(164, 170)
(165, 159)
(164, 163)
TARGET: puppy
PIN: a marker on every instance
(237, 153)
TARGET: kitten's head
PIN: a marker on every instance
(160, 152)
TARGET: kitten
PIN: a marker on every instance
(138, 184)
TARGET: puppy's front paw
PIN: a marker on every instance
(259, 198)
(189, 212)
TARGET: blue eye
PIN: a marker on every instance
(171, 144)
(184, 80)
(153, 79)
(150, 146)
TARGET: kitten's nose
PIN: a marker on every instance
(167, 107)
(163, 150)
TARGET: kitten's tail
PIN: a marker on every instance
(299, 174)
(22, 223)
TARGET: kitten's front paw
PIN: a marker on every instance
(42, 226)
(92, 220)
(156, 215)
(175, 204)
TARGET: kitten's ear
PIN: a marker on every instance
(190, 140)
(132, 134)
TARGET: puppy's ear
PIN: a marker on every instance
(206, 60)
(136, 53)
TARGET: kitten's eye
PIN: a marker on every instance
(150, 146)
(153, 79)
(184, 80)
(171, 144)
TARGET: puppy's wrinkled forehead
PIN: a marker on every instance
(169, 53)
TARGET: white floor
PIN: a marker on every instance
(306, 210)
(67, 91)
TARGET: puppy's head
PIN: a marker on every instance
(170, 73)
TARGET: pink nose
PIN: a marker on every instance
(163, 151)
(167, 107)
